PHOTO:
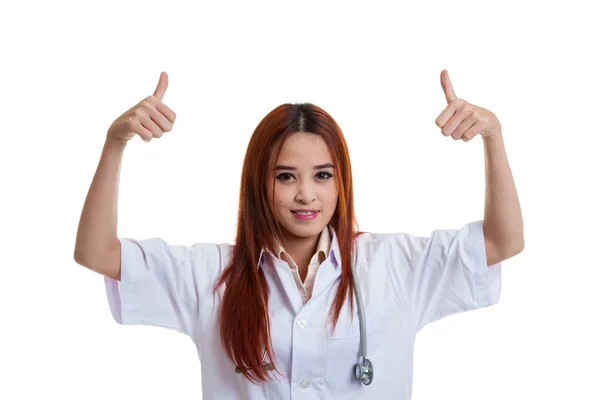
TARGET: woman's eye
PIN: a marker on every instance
(282, 177)
(326, 175)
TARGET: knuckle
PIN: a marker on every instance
(139, 112)
(147, 107)
(130, 121)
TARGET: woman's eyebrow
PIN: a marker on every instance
(328, 165)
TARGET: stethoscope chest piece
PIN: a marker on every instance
(364, 371)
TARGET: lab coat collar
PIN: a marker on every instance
(334, 250)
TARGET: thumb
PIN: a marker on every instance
(447, 86)
(161, 88)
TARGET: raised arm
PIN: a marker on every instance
(503, 220)
(97, 246)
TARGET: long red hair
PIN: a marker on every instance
(244, 320)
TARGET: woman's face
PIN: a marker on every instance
(304, 178)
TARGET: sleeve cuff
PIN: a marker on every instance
(121, 295)
(488, 279)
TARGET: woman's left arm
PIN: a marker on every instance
(503, 221)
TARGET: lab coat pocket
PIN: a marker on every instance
(343, 352)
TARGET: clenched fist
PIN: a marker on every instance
(150, 118)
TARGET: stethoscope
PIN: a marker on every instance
(363, 370)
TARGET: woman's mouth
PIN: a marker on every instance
(306, 215)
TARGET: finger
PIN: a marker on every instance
(456, 119)
(160, 120)
(447, 86)
(161, 88)
(142, 132)
(151, 126)
(472, 132)
(166, 111)
(463, 127)
(445, 115)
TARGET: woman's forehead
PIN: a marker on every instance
(304, 148)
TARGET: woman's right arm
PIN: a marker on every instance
(97, 246)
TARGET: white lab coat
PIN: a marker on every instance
(406, 283)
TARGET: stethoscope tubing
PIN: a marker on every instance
(361, 314)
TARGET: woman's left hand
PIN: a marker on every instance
(463, 120)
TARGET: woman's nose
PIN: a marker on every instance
(306, 193)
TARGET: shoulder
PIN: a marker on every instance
(164, 253)
(378, 249)
(400, 241)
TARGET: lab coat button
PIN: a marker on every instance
(301, 323)
(304, 384)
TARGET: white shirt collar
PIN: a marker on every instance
(328, 244)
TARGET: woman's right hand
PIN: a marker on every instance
(150, 118)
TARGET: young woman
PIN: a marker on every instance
(303, 305)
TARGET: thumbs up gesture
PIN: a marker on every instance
(463, 120)
(150, 118)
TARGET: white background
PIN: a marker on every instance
(69, 69)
